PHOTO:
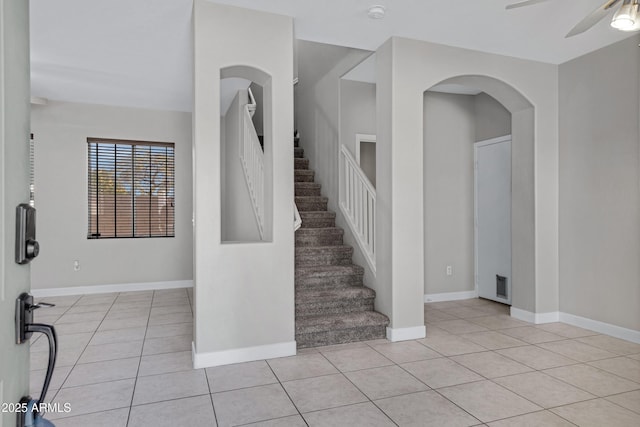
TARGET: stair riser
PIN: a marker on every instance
(316, 339)
(328, 282)
(303, 176)
(324, 258)
(333, 307)
(298, 153)
(318, 222)
(299, 163)
(322, 240)
(307, 191)
(311, 205)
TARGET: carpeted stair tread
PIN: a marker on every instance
(298, 153)
(305, 250)
(318, 216)
(338, 322)
(323, 230)
(307, 189)
(311, 199)
(311, 203)
(303, 175)
(329, 270)
(329, 302)
(319, 236)
(348, 293)
(300, 163)
(323, 255)
(328, 276)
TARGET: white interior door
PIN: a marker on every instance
(14, 189)
(493, 218)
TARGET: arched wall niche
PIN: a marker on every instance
(239, 224)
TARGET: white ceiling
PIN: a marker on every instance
(138, 53)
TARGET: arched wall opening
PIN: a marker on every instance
(246, 153)
(457, 112)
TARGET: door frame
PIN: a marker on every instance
(14, 189)
(360, 138)
(476, 145)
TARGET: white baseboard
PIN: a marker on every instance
(105, 289)
(406, 334)
(536, 318)
(581, 322)
(601, 327)
(450, 296)
(525, 316)
(239, 355)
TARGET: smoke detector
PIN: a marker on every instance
(376, 12)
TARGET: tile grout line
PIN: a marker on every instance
(369, 344)
(358, 388)
(213, 406)
(287, 393)
(135, 381)
(436, 390)
(87, 344)
(83, 350)
(586, 363)
(617, 404)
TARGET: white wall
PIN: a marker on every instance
(384, 225)
(600, 185)
(492, 119)
(244, 293)
(357, 115)
(61, 130)
(357, 111)
(406, 69)
(239, 223)
(449, 134)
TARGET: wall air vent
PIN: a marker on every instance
(501, 286)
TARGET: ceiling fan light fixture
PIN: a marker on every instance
(626, 18)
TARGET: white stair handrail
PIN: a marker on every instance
(358, 204)
(252, 105)
(297, 220)
(252, 160)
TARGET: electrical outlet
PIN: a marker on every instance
(449, 270)
(76, 265)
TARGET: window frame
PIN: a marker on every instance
(88, 176)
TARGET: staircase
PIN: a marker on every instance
(332, 304)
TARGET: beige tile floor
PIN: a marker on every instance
(125, 360)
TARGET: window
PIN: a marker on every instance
(131, 189)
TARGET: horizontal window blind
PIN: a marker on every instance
(131, 189)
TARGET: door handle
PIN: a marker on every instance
(25, 327)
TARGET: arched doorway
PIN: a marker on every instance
(477, 108)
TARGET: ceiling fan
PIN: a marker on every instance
(626, 18)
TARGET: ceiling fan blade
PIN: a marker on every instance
(592, 19)
(524, 3)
